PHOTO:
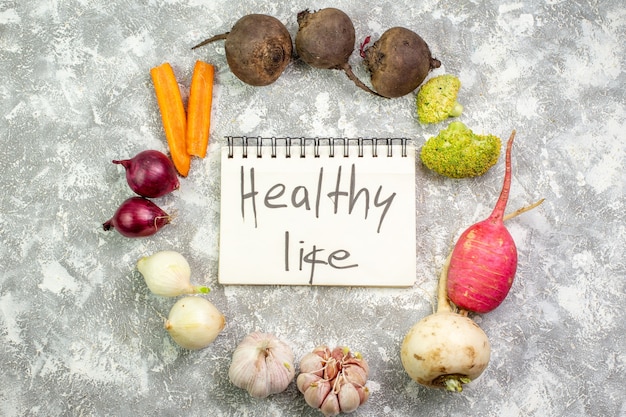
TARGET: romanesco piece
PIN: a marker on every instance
(457, 152)
(436, 99)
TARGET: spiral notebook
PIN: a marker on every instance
(317, 212)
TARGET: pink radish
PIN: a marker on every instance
(484, 259)
(448, 349)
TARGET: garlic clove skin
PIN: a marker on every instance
(323, 352)
(316, 393)
(355, 374)
(262, 364)
(364, 393)
(312, 363)
(258, 386)
(167, 273)
(332, 368)
(330, 407)
(339, 385)
(194, 322)
(349, 398)
(305, 380)
(281, 371)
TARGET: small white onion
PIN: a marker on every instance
(167, 273)
(194, 322)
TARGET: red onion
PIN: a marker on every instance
(150, 174)
(137, 217)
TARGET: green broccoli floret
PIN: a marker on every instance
(436, 99)
(457, 152)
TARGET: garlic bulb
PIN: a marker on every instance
(333, 380)
(262, 364)
(194, 322)
(167, 273)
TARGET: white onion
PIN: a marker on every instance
(194, 322)
(167, 273)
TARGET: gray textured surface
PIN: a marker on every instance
(81, 335)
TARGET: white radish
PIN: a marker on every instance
(445, 349)
(448, 349)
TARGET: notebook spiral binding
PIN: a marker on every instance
(257, 144)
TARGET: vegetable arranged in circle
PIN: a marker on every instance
(262, 364)
(168, 273)
(445, 349)
(325, 39)
(137, 217)
(484, 259)
(173, 115)
(333, 380)
(448, 349)
(436, 99)
(150, 174)
(258, 48)
(194, 322)
(199, 109)
(399, 62)
(458, 152)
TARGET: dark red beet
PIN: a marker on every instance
(258, 48)
(398, 62)
(325, 39)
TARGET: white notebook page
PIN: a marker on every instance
(317, 219)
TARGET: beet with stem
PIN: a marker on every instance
(326, 39)
(399, 62)
(258, 48)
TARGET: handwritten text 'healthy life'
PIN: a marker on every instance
(343, 197)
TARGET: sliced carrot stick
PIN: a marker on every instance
(173, 115)
(199, 109)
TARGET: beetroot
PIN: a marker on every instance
(326, 39)
(258, 48)
(399, 62)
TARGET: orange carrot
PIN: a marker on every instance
(173, 115)
(199, 109)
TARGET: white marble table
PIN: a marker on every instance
(81, 335)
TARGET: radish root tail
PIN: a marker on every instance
(443, 304)
(523, 210)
